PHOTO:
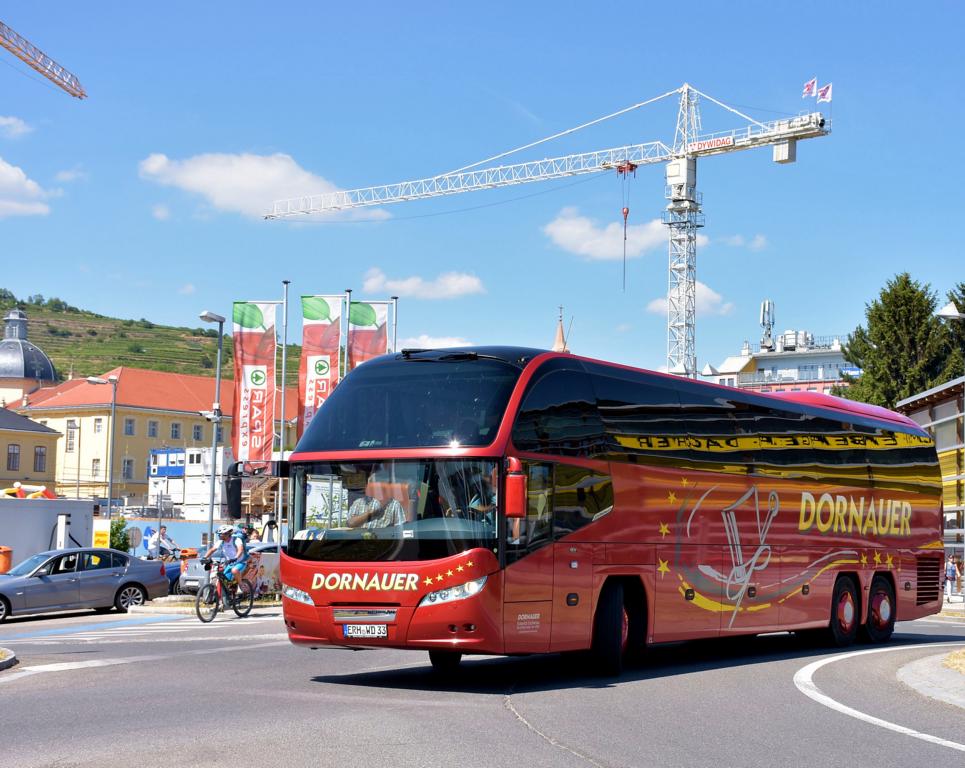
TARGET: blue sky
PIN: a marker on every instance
(143, 200)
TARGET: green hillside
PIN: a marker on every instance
(92, 344)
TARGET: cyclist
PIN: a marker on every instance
(233, 549)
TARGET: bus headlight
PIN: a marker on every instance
(297, 595)
(450, 594)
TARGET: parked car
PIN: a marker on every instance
(194, 575)
(68, 579)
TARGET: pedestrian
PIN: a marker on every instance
(952, 575)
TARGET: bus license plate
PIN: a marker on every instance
(365, 630)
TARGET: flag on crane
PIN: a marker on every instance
(824, 93)
(810, 88)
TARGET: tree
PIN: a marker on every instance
(119, 537)
(905, 348)
(956, 333)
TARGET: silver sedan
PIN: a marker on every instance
(68, 579)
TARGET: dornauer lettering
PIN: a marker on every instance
(861, 516)
(365, 582)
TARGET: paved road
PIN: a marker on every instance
(90, 690)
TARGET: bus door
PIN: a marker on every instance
(580, 496)
(528, 578)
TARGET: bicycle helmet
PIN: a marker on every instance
(223, 529)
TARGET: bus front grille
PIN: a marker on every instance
(929, 583)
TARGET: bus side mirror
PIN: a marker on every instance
(515, 495)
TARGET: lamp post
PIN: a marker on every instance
(215, 419)
(112, 380)
(949, 313)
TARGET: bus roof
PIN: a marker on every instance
(847, 406)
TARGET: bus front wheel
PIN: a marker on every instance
(611, 628)
(445, 662)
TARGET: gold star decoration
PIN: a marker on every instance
(877, 558)
(684, 482)
(428, 581)
(469, 564)
(449, 572)
(663, 567)
(664, 529)
(459, 568)
(889, 561)
(672, 497)
(864, 558)
(439, 577)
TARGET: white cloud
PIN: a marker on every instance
(239, 183)
(448, 285)
(161, 212)
(709, 302)
(73, 174)
(757, 243)
(187, 289)
(13, 127)
(584, 237)
(19, 195)
(424, 341)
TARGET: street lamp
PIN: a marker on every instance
(214, 417)
(112, 380)
(950, 312)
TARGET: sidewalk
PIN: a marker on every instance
(954, 609)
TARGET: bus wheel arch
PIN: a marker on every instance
(619, 624)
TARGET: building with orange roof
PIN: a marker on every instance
(154, 409)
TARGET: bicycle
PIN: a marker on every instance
(222, 594)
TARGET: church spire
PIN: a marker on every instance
(559, 343)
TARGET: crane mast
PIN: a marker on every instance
(35, 58)
(683, 215)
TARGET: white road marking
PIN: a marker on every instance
(152, 640)
(72, 665)
(803, 679)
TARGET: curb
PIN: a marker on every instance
(931, 678)
(187, 609)
(9, 660)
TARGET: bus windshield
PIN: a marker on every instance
(393, 510)
(414, 403)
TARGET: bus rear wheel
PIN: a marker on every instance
(444, 662)
(845, 613)
(611, 631)
(881, 611)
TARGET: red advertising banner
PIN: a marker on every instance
(367, 331)
(252, 420)
(319, 366)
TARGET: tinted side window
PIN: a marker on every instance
(640, 415)
(558, 415)
(579, 496)
(118, 561)
(92, 561)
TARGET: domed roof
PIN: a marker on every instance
(19, 359)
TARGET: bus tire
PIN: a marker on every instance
(881, 611)
(610, 631)
(444, 662)
(845, 613)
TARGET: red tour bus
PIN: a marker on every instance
(501, 500)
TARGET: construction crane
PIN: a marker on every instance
(683, 215)
(35, 58)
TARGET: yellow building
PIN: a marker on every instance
(153, 409)
(941, 410)
(29, 452)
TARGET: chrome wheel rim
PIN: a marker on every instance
(131, 596)
(881, 610)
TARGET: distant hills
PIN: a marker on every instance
(93, 344)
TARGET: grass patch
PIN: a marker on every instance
(956, 661)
